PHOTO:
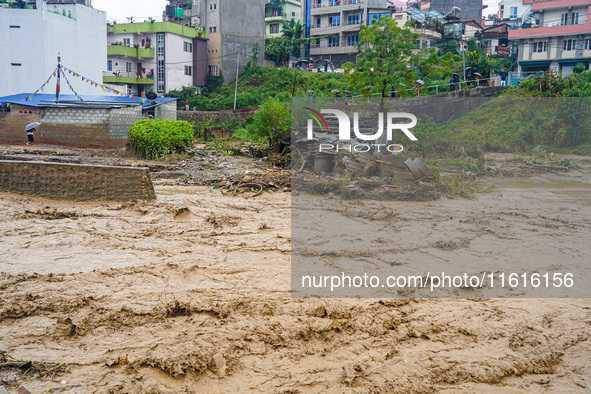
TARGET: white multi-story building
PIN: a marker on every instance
(35, 36)
(514, 12)
(155, 56)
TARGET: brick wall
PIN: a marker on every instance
(77, 127)
(12, 124)
(75, 181)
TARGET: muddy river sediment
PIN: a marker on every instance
(191, 293)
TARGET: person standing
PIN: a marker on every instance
(30, 137)
(186, 104)
(503, 78)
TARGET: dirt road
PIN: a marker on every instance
(191, 294)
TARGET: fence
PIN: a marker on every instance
(437, 89)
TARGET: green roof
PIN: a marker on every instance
(157, 27)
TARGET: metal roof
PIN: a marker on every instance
(71, 101)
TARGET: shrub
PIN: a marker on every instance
(272, 123)
(154, 138)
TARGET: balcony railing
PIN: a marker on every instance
(335, 3)
(128, 77)
(126, 51)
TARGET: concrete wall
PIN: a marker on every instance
(33, 39)
(242, 23)
(75, 181)
(77, 127)
(167, 111)
(199, 62)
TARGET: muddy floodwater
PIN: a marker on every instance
(191, 294)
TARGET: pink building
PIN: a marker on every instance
(561, 39)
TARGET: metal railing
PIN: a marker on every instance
(435, 89)
(335, 3)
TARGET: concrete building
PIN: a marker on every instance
(428, 24)
(561, 40)
(277, 12)
(496, 40)
(232, 27)
(470, 9)
(155, 56)
(335, 24)
(34, 37)
(515, 12)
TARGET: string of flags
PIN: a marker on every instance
(103, 87)
(71, 88)
(41, 88)
(61, 71)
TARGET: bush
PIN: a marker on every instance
(154, 138)
(272, 123)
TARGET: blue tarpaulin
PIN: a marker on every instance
(48, 100)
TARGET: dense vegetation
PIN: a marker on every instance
(155, 138)
(257, 84)
(546, 112)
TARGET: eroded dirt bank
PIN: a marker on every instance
(191, 294)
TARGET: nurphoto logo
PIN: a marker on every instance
(346, 135)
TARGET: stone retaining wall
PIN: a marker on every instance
(76, 181)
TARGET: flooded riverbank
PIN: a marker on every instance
(191, 293)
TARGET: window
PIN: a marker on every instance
(377, 17)
(334, 21)
(572, 20)
(188, 47)
(213, 70)
(160, 69)
(334, 41)
(213, 6)
(569, 45)
(160, 43)
(212, 29)
(274, 28)
(128, 67)
(127, 42)
(16, 64)
(189, 70)
(318, 21)
(276, 12)
(513, 14)
(110, 65)
(540, 46)
(14, 27)
(587, 43)
(352, 40)
(353, 19)
(195, 2)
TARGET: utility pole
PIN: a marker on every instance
(463, 57)
(236, 87)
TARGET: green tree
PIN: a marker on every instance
(293, 32)
(278, 50)
(272, 122)
(388, 56)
